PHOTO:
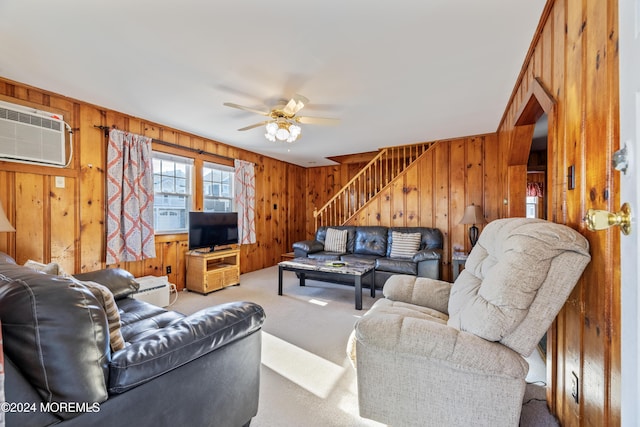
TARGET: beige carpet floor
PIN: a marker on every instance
(306, 377)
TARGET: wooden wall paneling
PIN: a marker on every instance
(412, 197)
(169, 259)
(7, 198)
(31, 233)
(278, 231)
(182, 247)
(295, 224)
(546, 51)
(397, 202)
(474, 166)
(504, 141)
(601, 195)
(91, 149)
(491, 193)
(556, 155)
(458, 233)
(425, 192)
(574, 121)
(271, 226)
(441, 197)
(63, 221)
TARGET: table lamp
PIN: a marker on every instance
(473, 215)
(5, 225)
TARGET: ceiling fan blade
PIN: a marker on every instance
(292, 107)
(317, 120)
(295, 104)
(300, 98)
(254, 125)
(242, 107)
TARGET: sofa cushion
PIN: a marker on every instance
(120, 282)
(183, 340)
(45, 320)
(371, 240)
(358, 258)
(105, 298)
(336, 240)
(325, 256)
(404, 245)
(138, 319)
(398, 266)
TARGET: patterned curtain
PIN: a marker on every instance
(245, 200)
(535, 189)
(130, 235)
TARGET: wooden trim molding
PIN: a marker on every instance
(538, 100)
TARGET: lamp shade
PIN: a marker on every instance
(5, 225)
(473, 215)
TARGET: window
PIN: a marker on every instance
(218, 191)
(172, 189)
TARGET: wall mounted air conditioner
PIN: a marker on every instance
(28, 135)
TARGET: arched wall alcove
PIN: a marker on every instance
(537, 102)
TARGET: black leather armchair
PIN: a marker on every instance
(198, 370)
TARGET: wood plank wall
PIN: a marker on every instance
(574, 55)
(433, 192)
(66, 225)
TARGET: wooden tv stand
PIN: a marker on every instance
(211, 271)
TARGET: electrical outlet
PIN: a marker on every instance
(168, 269)
(575, 387)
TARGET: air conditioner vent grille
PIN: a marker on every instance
(31, 136)
(30, 119)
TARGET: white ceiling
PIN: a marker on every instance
(393, 73)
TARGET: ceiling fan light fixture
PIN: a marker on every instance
(282, 134)
(282, 130)
(295, 130)
(272, 128)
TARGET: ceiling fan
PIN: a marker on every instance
(282, 124)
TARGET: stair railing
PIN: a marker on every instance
(371, 179)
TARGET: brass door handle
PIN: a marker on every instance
(601, 220)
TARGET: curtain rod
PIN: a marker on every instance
(106, 130)
(195, 150)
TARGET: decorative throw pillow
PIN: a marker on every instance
(404, 245)
(335, 240)
(105, 297)
(51, 268)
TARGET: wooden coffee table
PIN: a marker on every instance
(357, 270)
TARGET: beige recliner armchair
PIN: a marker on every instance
(432, 353)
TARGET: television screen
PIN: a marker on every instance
(210, 229)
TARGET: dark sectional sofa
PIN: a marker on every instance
(374, 243)
(175, 370)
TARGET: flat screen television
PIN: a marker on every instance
(208, 230)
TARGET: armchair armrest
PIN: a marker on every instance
(411, 338)
(307, 247)
(427, 254)
(181, 342)
(421, 291)
(120, 282)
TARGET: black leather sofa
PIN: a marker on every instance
(175, 370)
(374, 243)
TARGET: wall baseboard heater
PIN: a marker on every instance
(28, 135)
